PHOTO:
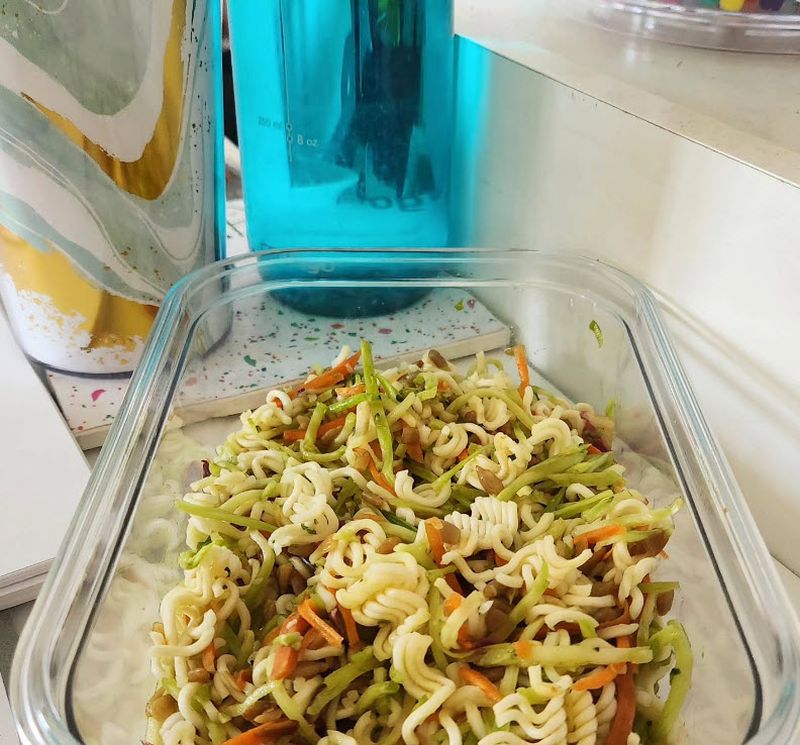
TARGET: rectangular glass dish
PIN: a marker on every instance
(768, 28)
(82, 673)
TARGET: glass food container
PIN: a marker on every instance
(767, 26)
(82, 674)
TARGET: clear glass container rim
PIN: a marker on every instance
(705, 14)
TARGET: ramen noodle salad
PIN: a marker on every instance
(419, 556)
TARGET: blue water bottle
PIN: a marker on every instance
(345, 115)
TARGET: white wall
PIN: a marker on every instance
(718, 240)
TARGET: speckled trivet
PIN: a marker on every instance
(272, 344)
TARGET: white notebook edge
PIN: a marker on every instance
(8, 729)
(35, 416)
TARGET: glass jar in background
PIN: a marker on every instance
(345, 119)
(111, 170)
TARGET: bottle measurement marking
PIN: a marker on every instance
(291, 138)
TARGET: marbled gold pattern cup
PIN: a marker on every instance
(110, 169)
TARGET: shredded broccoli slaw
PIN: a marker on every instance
(415, 555)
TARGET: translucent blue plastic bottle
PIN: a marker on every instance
(345, 116)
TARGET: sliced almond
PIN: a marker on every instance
(489, 481)
(651, 546)
(297, 582)
(602, 615)
(198, 676)
(495, 674)
(374, 500)
(409, 436)
(603, 588)
(256, 710)
(285, 572)
(161, 707)
(450, 533)
(495, 619)
(664, 602)
(310, 668)
(436, 357)
(367, 515)
(388, 545)
(304, 550)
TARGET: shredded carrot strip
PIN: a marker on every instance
(624, 642)
(265, 733)
(333, 424)
(307, 611)
(209, 657)
(313, 640)
(600, 534)
(593, 450)
(463, 455)
(334, 375)
(286, 657)
(294, 435)
(285, 663)
(473, 677)
(379, 478)
(375, 446)
(597, 679)
(452, 604)
(522, 368)
(622, 725)
(329, 378)
(499, 560)
(433, 530)
(242, 678)
(524, 649)
(350, 628)
(293, 623)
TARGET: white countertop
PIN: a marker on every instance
(744, 105)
